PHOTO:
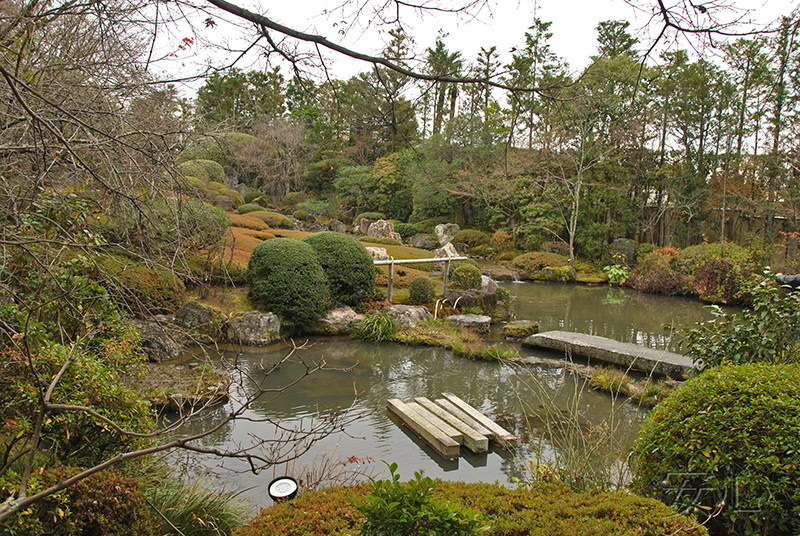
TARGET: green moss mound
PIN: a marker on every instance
(251, 196)
(733, 435)
(348, 266)
(548, 510)
(205, 170)
(146, 290)
(275, 220)
(467, 277)
(538, 260)
(472, 238)
(247, 208)
(285, 276)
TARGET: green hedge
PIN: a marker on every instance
(286, 278)
(549, 510)
(348, 266)
(733, 435)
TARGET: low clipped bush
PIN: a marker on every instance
(347, 264)
(252, 195)
(292, 198)
(249, 207)
(146, 291)
(658, 274)
(406, 230)
(317, 207)
(104, 503)
(725, 446)
(300, 215)
(471, 238)
(691, 258)
(501, 241)
(466, 276)
(532, 262)
(276, 220)
(421, 290)
(719, 281)
(285, 277)
(546, 510)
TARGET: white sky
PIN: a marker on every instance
(574, 23)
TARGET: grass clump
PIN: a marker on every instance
(377, 328)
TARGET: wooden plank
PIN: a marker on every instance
(455, 411)
(472, 439)
(502, 435)
(437, 439)
(432, 418)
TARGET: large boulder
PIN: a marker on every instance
(503, 273)
(363, 226)
(205, 324)
(488, 284)
(383, 229)
(160, 341)
(501, 312)
(423, 241)
(337, 226)
(378, 254)
(486, 301)
(339, 321)
(448, 250)
(445, 232)
(253, 328)
(408, 316)
(479, 323)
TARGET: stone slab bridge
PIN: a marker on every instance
(622, 354)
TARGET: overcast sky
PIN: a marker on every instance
(502, 25)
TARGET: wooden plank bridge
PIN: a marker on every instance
(448, 423)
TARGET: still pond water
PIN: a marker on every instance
(381, 372)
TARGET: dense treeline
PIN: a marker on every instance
(654, 151)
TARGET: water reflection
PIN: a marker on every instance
(530, 401)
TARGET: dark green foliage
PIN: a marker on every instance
(766, 333)
(409, 509)
(732, 434)
(252, 195)
(471, 238)
(285, 276)
(292, 198)
(428, 225)
(347, 265)
(249, 207)
(104, 503)
(369, 216)
(317, 207)
(532, 262)
(377, 328)
(545, 510)
(643, 250)
(421, 290)
(406, 230)
(466, 276)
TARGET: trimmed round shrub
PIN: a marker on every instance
(300, 215)
(466, 276)
(533, 262)
(286, 278)
(726, 445)
(205, 170)
(348, 266)
(471, 238)
(406, 230)
(251, 196)
(292, 198)
(276, 220)
(501, 241)
(249, 207)
(421, 290)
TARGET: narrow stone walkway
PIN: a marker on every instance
(624, 355)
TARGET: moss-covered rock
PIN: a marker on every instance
(206, 324)
(519, 329)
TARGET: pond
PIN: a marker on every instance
(529, 400)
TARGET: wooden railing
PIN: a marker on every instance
(444, 260)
